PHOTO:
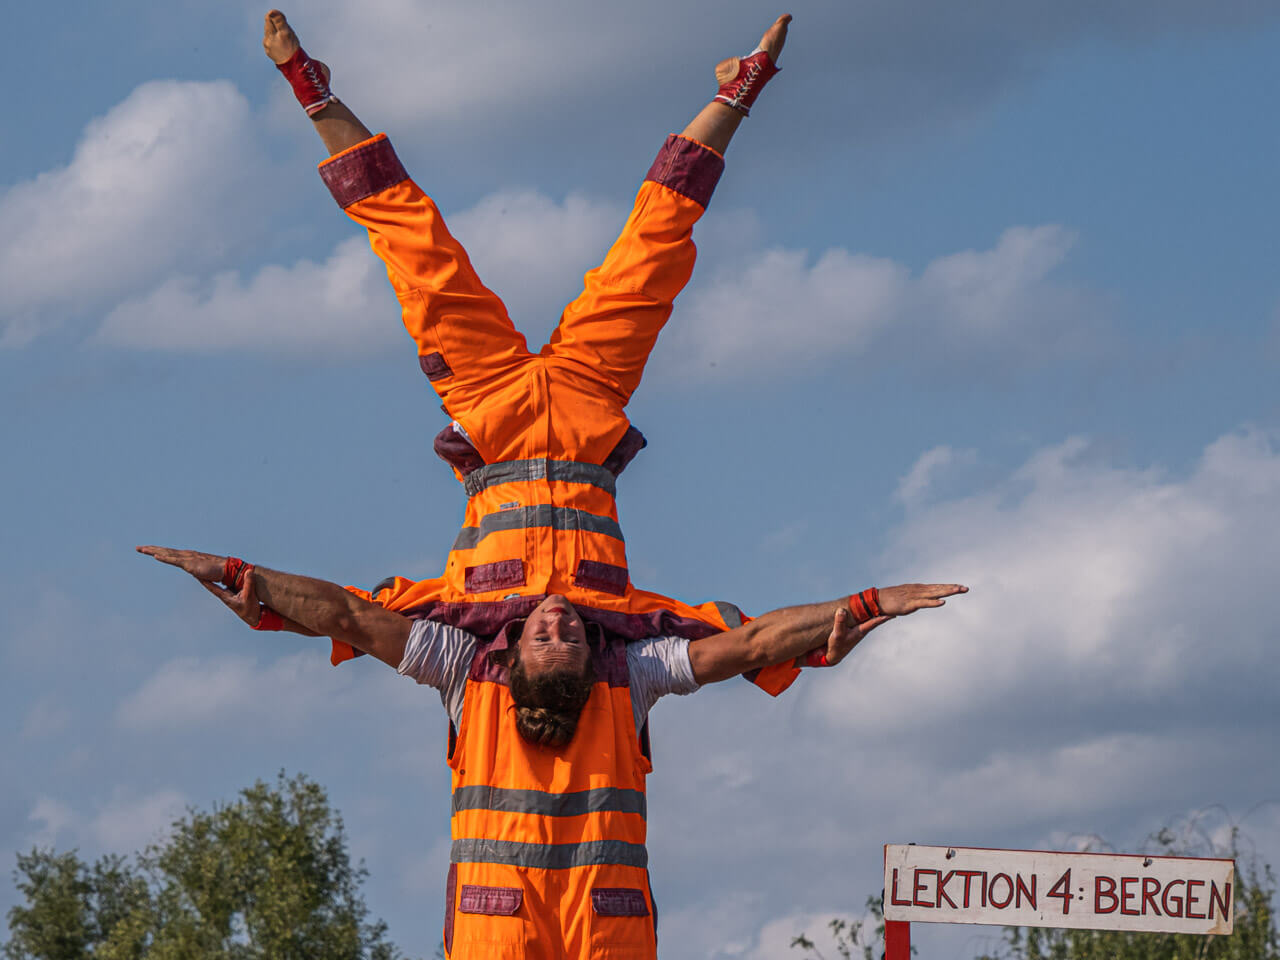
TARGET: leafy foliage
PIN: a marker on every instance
(848, 937)
(266, 877)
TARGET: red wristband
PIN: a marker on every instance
(268, 619)
(309, 81)
(816, 658)
(865, 605)
(233, 572)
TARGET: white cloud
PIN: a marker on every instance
(718, 926)
(915, 485)
(129, 823)
(1112, 667)
(152, 184)
(124, 824)
(199, 693)
(530, 248)
(775, 937)
(1089, 582)
(524, 245)
(453, 74)
(282, 697)
(342, 305)
(532, 251)
(747, 322)
(452, 68)
(746, 926)
(988, 291)
(53, 819)
(1060, 781)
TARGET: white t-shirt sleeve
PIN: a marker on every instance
(658, 666)
(440, 656)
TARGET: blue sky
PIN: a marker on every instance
(987, 293)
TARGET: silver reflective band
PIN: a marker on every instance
(600, 800)
(543, 515)
(550, 856)
(731, 615)
(564, 471)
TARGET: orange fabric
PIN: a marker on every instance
(562, 404)
(556, 919)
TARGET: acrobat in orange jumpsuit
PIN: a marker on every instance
(538, 440)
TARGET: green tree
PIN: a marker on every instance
(849, 938)
(71, 907)
(266, 877)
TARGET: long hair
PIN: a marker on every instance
(548, 706)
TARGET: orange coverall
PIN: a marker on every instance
(538, 439)
(548, 858)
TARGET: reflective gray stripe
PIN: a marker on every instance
(514, 471)
(550, 856)
(731, 615)
(600, 800)
(543, 515)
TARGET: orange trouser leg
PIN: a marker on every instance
(465, 338)
(612, 326)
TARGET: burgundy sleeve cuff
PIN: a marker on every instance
(688, 168)
(362, 171)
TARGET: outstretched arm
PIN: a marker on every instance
(782, 635)
(323, 608)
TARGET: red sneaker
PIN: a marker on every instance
(310, 81)
(742, 78)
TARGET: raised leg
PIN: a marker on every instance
(338, 127)
(718, 121)
(464, 335)
(614, 323)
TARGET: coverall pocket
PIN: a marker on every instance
(488, 923)
(621, 926)
(491, 901)
(499, 575)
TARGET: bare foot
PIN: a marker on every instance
(773, 39)
(278, 38)
(771, 43)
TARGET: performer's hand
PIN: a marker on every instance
(202, 566)
(909, 597)
(244, 604)
(845, 635)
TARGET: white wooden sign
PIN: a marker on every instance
(1036, 888)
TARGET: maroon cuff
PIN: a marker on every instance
(362, 171)
(688, 168)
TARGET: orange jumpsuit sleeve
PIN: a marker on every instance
(613, 324)
(465, 338)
